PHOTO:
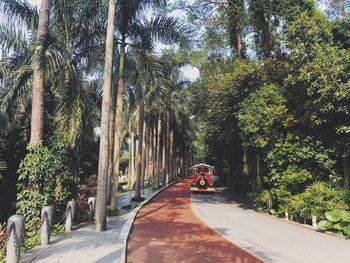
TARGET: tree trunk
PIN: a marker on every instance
(346, 169)
(101, 202)
(171, 156)
(111, 144)
(158, 151)
(262, 27)
(258, 171)
(154, 150)
(151, 163)
(245, 161)
(131, 175)
(168, 160)
(139, 159)
(343, 13)
(239, 43)
(38, 98)
(118, 126)
(143, 157)
(149, 148)
(164, 167)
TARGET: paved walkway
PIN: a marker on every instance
(166, 230)
(84, 245)
(271, 238)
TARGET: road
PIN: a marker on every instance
(272, 239)
(166, 230)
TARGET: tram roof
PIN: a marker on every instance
(203, 164)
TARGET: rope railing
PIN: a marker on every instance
(13, 235)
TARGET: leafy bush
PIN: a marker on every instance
(36, 182)
(260, 115)
(297, 154)
(42, 180)
(317, 199)
(66, 184)
(337, 221)
(261, 201)
(295, 178)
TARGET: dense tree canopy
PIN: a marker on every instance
(276, 124)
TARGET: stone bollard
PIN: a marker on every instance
(70, 214)
(15, 224)
(92, 204)
(286, 215)
(45, 232)
(314, 222)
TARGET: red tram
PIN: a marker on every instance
(203, 180)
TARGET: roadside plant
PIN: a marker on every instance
(337, 221)
(317, 199)
(42, 180)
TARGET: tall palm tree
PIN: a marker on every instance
(158, 151)
(38, 98)
(101, 196)
(138, 33)
(152, 85)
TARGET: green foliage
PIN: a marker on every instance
(276, 127)
(301, 156)
(317, 199)
(341, 33)
(337, 221)
(36, 182)
(42, 180)
(261, 201)
(260, 116)
(66, 184)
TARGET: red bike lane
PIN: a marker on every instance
(166, 230)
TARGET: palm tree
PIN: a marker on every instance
(152, 86)
(158, 151)
(139, 34)
(38, 98)
(72, 48)
(101, 198)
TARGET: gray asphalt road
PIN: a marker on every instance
(272, 239)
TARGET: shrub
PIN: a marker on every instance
(42, 180)
(336, 221)
(261, 201)
(317, 199)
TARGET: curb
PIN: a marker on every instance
(124, 233)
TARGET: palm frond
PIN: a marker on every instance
(152, 75)
(20, 11)
(168, 30)
(12, 38)
(14, 92)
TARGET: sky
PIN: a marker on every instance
(34, 2)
